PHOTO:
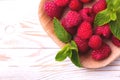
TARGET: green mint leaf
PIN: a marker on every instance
(73, 46)
(62, 54)
(113, 5)
(70, 50)
(108, 1)
(115, 26)
(109, 14)
(74, 57)
(113, 16)
(102, 18)
(116, 4)
(60, 32)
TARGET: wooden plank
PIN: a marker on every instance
(39, 64)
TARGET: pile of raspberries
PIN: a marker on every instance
(78, 21)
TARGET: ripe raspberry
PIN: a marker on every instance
(61, 3)
(82, 44)
(75, 5)
(72, 19)
(87, 14)
(95, 42)
(101, 53)
(99, 30)
(86, 1)
(84, 30)
(115, 41)
(52, 10)
(99, 6)
(103, 31)
(106, 31)
(71, 30)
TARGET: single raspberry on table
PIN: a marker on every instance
(86, 1)
(52, 10)
(103, 31)
(115, 41)
(75, 5)
(99, 6)
(71, 30)
(61, 3)
(72, 18)
(87, 14)
(85, 30)
(95, 42)
(82, 44)
(101, 53)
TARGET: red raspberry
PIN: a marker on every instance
(72, 18)
(99, 30)
(71, 30)
(52, 10)
(95, 42)
(84, 30)
(101, 53)
(115, 41)
(106, 31)
(61, 3)
(99, 6)
(87, 14)
(75, 5)
(82, 44)
(103, 31)
(86, 1)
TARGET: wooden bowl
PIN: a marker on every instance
(85, 60)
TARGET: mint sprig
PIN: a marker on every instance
(70, 50)
(60, 32)
(109, 14)
(115, 26)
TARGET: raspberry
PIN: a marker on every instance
(106, 31)
(84, 30)
(115, 41)
(52, 10)
(87, 14)
(72, 18)
(82, 44)
(99, 6)
(99, 30)
(85, 1)
(103, 31)
(61, 3)
(71, 30)
(95, 42)
(75, 5)
(101, 53)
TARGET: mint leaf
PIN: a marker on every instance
(102, 18)
(113, 16)
(73, 46)
(75, 58)
(60, 32)
(62, 54)
(115, 26)
(70, 50)
(116, 4)
(109, 14)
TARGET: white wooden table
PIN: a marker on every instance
(27, 52)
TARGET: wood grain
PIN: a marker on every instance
(28, 54)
